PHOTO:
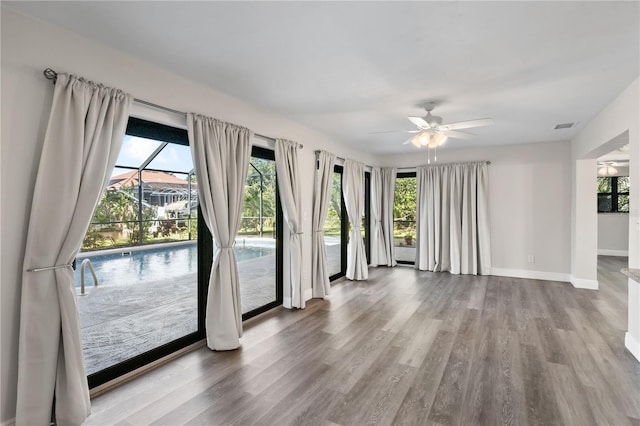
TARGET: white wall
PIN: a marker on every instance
(29, 46)
(620, 117)
(613, 234)
(529, 204)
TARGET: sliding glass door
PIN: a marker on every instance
(334, 229)
(258, 244)
(142, 271)
(337, 227)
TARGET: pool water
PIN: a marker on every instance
(159, 263)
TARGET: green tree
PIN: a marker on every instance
(404, 206)
(265, 173)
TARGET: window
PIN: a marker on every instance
(404, 218)
(613, 194)
(151, 253)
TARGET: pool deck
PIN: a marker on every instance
(118, 322)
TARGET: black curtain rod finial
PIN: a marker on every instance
(50, 74)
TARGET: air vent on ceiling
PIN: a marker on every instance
(564, 126)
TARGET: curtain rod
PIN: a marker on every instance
(413, 168)
(52, 75)
(317, 151)
(410, 168)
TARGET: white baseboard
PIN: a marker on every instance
(607, 252)
(633, 345)
(10, 422)
(535, 275)
(582, 283)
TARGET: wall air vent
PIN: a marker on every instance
(564, 126)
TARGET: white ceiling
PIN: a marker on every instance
(350, 68)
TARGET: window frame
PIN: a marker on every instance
(404, 175)
(613, 184)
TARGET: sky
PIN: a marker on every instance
(136, 150)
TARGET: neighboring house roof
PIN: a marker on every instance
(150, 179)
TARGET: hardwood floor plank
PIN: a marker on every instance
(476, 301)
(604, 408)
(480, 404)
(550, 341)
(415, 350)
(448, 403)
(569, 395)
(542, 408)
(418, 401)
(377, 395)
(396, 323)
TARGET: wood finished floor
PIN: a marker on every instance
(412, 348)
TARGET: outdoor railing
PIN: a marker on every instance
(84, 264)
(404, 233)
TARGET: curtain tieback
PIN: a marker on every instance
(297, 233)
(49, 268)
(225, 247)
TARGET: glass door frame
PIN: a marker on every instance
(404, 175)
(164, 133)
(268, 154)
(344, 222)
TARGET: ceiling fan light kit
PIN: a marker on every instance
(607, 169)
(429, 139)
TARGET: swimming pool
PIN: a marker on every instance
(158, 263)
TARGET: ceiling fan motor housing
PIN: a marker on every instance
(432, 120)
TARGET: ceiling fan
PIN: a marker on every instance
(432, 133)
(608, 168)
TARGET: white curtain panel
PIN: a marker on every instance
(388, 193)
(221, 154)
(378, 247)
(290, 188)
(81, 145)
(353, 192)
(321, 197)
(453, 219)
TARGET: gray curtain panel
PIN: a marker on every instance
(321, 197)
(453, 219)
(378, 247)
(221, 154)
(353, 192)
(81, 145)
(290, 188)
(388, 175)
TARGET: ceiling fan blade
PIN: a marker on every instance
(467, 124)
(408, 141)
(419, 121)
(457, 134)
(394, 131)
